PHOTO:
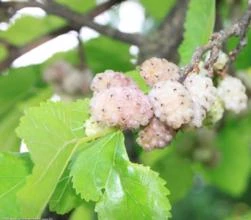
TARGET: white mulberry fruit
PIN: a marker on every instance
(125, 107)
(156, 70)
(233, 94)
(203, 94)
(110, 79)
(171, 103)
(155, 135)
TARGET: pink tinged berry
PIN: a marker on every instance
(109, 79)
(171, 103)
(155, 70)
(233, 94)
(203, 95)
(155, 135)
(125, 107)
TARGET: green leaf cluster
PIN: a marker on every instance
(70, 168)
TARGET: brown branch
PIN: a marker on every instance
(77, 20)
(15, 52)
(81, 54)
(164, 41)
(238, 29)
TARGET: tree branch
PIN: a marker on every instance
(77, 20)
(15, 52)
(238, 29)
(164, 41)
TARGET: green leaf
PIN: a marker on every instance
(89, 180)
(105, 53)
(78, 5)
(84, 211)
(27, 28)
(18, 89)
(134, 192)
(199, 27)
(14, 169)
(243, 60)
(16, 85)
(8, 139)
(158, 9)
(232, 173)
(178, 174)
(50, 132)
(134, 74)
(102, 172)
(64, 198)
(174, 168)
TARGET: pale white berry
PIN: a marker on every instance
(155, 135)
(56, 72)
(77, 82)
(215, 113)
(155, 70)
(125, 107)
(93, 127)
(233, 94)
(203, 94)
(110, 79)
(172, 103)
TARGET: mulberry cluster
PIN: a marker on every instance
(170, 105)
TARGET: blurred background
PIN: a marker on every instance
(52, 49)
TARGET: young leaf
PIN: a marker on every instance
(199, 26)
(102, 172)
(64, 198)
(50, 132)
(14, 169)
